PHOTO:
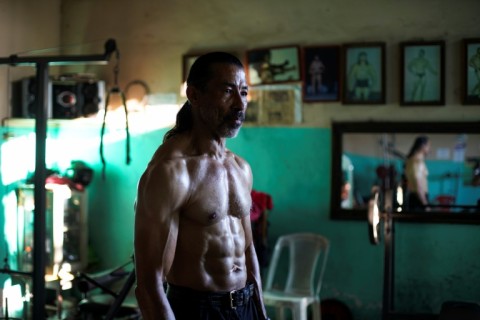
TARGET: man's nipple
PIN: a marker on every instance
(212, 216)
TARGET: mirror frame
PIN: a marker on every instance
(339, 128)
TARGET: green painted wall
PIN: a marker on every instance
(435, 262)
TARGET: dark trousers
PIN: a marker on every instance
(414, 202)
(188, 304)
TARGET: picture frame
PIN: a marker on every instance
(422, 73)
(273, 65)
(278, 104)
(321, 73)
(471, 72)
(363, 73)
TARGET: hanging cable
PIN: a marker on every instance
(115, 90)
(6, 133)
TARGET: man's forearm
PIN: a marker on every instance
(154, 305)
(253, 276)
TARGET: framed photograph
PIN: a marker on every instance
(278, 104)
(321, 73)
(364, 73)
(471, 71)
(273, 65)
(422, 73)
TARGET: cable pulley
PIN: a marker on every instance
(114, 90)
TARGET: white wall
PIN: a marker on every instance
(26, 28)
(153, 36)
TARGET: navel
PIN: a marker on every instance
(236, 268)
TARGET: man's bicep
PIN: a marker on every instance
(155, 238)
(156, 222)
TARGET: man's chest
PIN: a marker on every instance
(217, 191)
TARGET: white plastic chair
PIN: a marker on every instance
(307, 256)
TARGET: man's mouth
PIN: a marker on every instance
(238, 118)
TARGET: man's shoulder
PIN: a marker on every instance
(237, 158)
(242, 164)
(171, 152)
(416, 160)
(166, 162)
(165, 171)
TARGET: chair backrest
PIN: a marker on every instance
(104, 280)
(307, 257)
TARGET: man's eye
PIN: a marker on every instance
(244, 93)
(228, 91)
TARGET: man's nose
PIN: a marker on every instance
(240, 101)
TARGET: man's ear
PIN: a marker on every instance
(192, 94)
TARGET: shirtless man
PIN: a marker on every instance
(316, 70)
(362, 77)
(419, 67)
(192, 223)
(416, 173)
(474, 63)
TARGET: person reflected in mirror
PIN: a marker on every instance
(416, 174)
(419, 67)
(474, 63)
(362, 78)
(192, 212)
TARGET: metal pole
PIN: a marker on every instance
(39, 261)
(121, 296)
(389, 258)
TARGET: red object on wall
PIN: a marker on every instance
(260, 202)
(445, 200)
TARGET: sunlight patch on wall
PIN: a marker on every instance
(17, 158)
(150, 118)
(17, 155)
(11, 226)
(64, 143)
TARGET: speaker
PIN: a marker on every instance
(24, 102)
(93, 97)
(68, 99)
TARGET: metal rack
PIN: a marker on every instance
(42, 64)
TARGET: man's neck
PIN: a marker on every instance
(205, 143)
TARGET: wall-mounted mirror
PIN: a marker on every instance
(444, 166)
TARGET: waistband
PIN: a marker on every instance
(232, 299)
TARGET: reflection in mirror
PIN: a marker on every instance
(426, 171)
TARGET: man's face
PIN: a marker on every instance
(426, 148)
(223, 103)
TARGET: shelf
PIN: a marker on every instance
(56, 123)
(153, 117)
